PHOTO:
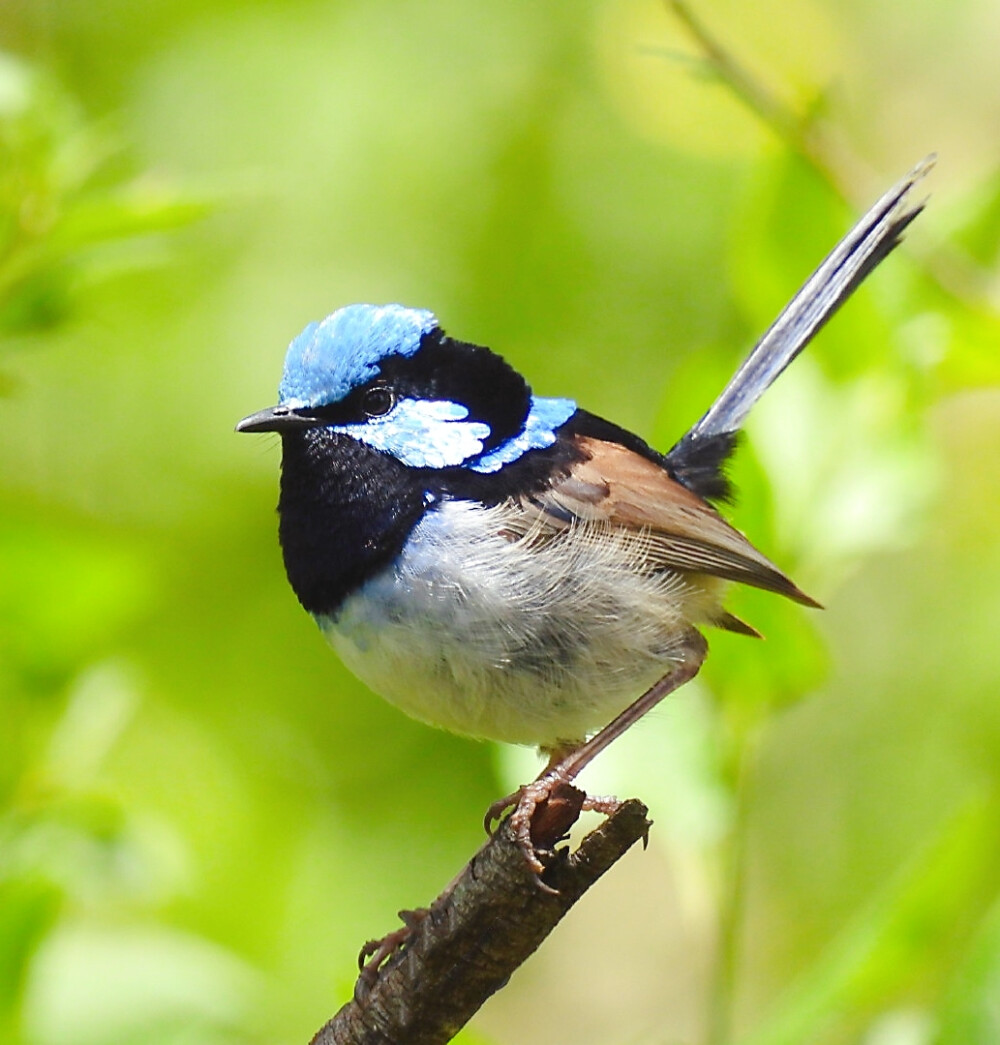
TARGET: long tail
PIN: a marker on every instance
(698, 456)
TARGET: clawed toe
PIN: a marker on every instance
(496, 811)
(376, 952)
(604, 804)
(531, 796)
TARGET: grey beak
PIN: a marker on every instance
(275, 419)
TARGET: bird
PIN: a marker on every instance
(510, 566)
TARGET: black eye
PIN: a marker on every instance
(378, 401)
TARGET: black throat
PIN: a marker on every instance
(345, 512)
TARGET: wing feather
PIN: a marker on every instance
(615, 485)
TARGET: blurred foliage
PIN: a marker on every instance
(202, 816)
(64, 220)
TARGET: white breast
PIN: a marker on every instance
(516, 638)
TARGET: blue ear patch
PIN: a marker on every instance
(422, 433)
(328, 359)
(539, 431)
(435, 433)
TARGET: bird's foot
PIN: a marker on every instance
(376, 952)
(546, 809)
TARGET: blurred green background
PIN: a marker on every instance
(202, 816)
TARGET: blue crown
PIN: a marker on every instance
(330, 358)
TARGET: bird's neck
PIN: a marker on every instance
(345, 512)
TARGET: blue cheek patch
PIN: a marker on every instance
(422, 433)
(545, 416)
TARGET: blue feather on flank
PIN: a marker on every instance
(545, 416)
(329, 359)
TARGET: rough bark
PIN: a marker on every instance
(466, 945)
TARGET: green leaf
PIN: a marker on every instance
(28, 908)
(970, 1011)
(54, 205)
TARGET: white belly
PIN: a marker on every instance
(526, 641)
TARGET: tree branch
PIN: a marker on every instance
(486, 923)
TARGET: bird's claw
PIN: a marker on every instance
(376, 952)
(530, 797)
(542, 813)
(607, 805)
(545, 811)
(497, 809)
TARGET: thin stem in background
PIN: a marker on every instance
(817, 142)
(732, 894)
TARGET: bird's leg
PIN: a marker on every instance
(687, 667)
(564, 766)
(565, 763)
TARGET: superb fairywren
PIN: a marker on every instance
(507, 565)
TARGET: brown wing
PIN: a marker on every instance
(615, 485)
